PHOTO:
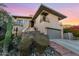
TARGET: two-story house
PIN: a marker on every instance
(47, 22)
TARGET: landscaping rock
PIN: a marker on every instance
(37, 41)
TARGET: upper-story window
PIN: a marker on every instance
(22, 22)
(26, 22)
(19, 22)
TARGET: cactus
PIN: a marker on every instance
(5, 28)
(7, 35)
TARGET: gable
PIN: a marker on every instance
(42, 7)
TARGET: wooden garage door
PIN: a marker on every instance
(53, 33)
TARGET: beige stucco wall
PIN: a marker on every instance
(53, 23)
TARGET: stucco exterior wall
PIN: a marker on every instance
(53, 23)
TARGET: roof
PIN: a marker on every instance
(28, 17)
(42, 7)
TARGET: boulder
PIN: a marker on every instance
(33, 42)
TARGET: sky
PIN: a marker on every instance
(71, 10)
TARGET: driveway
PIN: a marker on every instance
(72, 45)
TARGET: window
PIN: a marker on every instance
(22, 22)
(19, 22)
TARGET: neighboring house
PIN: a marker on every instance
(21, 22)
(47, 22)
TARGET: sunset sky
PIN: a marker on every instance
(26, 9)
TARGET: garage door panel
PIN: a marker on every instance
(54, 34)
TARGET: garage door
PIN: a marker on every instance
(53, 33)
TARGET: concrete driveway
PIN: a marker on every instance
(72, 45)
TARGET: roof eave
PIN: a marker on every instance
(42, 7)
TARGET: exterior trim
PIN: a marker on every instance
(22, 17)
(53, 29)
